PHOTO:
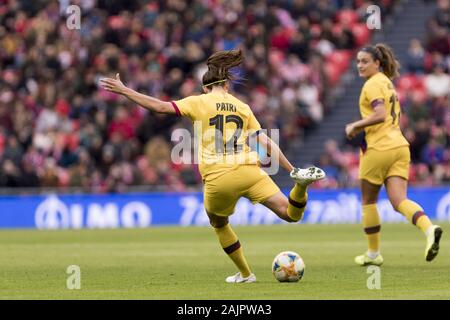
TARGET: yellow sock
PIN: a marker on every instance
(372, 226)
(231, 245)
(414, 213)
(297, 202)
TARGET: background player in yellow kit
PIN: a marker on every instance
(384, 156)
(229, 168)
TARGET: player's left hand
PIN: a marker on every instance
(113, 85)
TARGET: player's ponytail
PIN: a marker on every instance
(219, 65)
(387, 60)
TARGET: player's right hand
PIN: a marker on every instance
(351, 131)
(113, 85)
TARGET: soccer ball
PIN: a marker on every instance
(288, 266)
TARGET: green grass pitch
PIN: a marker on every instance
(188, 263)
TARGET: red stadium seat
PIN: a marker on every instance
(400, 95)
(420, 94)
(404, 83)
(410, 85)
(420, 84)
(347, 15)
(361, 33)
(333, 73)
(409, 82)
(340, 59)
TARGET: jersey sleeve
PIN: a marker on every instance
(186, 107)
(253, 124)
(375, 94)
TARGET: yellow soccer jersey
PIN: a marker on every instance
(222, 124)
(379, 89)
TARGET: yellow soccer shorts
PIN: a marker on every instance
(376, 166)
(222, 193)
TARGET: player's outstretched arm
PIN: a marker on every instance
(273, 150)
(150, 103)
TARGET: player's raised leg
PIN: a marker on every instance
(291, 209)
(232, 247)
(298, 195)
(396, 189)
(372, 225)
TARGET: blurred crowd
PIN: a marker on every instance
(58, 129)
(424, 93)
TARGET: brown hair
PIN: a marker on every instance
(385, 55)
(219, 65)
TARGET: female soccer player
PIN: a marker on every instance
(384, 156)
(228, 167)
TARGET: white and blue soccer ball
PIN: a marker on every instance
(288, 266)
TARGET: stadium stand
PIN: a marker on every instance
(424, 94)
(59, 130)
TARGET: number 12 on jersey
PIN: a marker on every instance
(231, 145)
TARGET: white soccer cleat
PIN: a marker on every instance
(307, 176)
(365, 260)
(237, 278)
(432, 248)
